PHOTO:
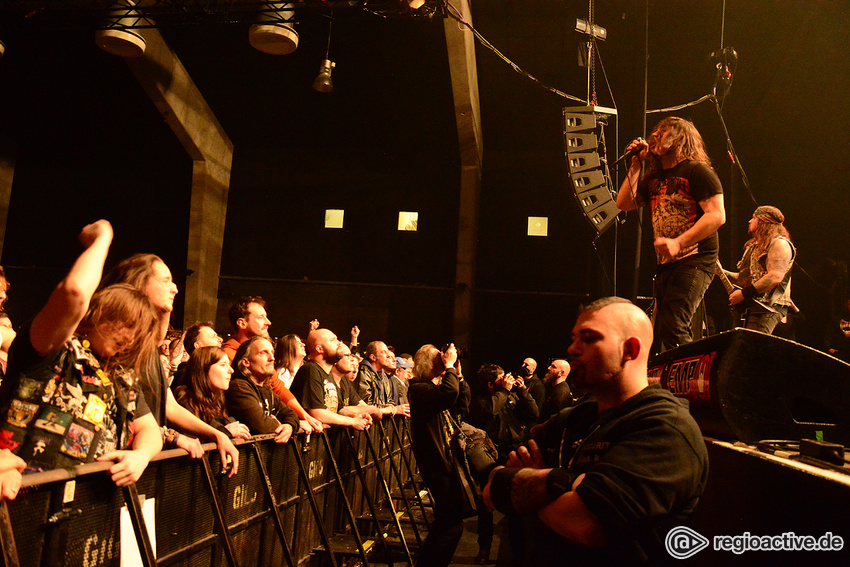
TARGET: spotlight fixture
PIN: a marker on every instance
(323, 82)
(585, 27)
(118, 37)
(274, 33)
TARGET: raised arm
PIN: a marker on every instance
(69, 302)
(628, 189)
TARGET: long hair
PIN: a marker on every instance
(764, 234)
(685, 140)
(197, 393)
(286, 352)
(423, 362)
(242, 353)
(135, 270)
(122, 305)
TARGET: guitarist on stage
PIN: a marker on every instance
(765, 270)
(686, 200)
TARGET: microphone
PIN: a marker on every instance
(634, 153)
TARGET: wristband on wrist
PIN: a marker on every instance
(559, 482)
(500, 490)
(749, 292)
(169, 436)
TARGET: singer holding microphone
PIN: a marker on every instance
(686, 200)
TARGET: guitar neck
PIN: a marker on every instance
(724, 279)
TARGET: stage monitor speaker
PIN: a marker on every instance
(747, 385)
(590, 182)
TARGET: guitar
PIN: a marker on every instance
(746, 307)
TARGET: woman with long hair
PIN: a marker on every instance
(289, 354)
(207, 378)
(70, 393)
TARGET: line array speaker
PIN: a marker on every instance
(590, 182)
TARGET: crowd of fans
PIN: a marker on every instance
(98, 375)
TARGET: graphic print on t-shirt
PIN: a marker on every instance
(331, 396)
(673, 210)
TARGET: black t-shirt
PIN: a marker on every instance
(154, 387)
(257, 406)
(558, 397)
(674, 196)
(318, 389)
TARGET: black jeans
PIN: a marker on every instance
(678, 291)
(447, 528)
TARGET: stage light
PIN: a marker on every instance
(118, 37)
(323, 82)
(274, 33)
(585, 27)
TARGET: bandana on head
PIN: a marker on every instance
(770, 215)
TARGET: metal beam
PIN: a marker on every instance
(464, 75)
(183, 107)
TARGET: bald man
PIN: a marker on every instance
(319, 385)
(613, 474)
(532, 382)
(323, 351)
(558, 394)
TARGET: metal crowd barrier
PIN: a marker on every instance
(316, 500)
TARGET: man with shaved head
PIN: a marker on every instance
(558, 394)
(322, 352)
(532, 382)
(607, 479)
(320, 385)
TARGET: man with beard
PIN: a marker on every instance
(323, 387)
(613, 474)
(248, 398)
(558, 395)
(765, 271)
(686, 199)
(248, 318)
